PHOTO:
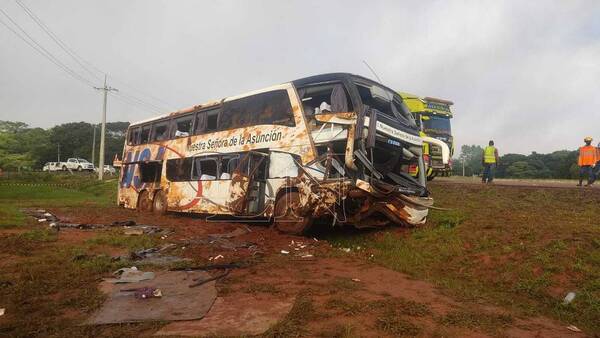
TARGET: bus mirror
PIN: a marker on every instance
(425, 118)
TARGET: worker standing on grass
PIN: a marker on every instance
(489, 161)
(588, 157)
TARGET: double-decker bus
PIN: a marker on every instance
(334, 147)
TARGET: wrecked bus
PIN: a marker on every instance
(333, 147)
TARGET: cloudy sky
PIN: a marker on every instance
(524, 73)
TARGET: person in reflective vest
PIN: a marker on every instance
(588, 156)
(489, 162)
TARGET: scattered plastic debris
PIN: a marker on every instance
(2, 311)
(285, 252)
(573, 328)
(569, 298)
(345, 249)
(145, 292)
(356, 280)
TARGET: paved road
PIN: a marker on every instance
(517, 182)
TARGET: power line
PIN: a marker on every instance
(54, 37)
(40, 49)
(82, 62)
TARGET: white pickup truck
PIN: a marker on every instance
(78, 164)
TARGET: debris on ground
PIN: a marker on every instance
(299, 249)
(130, 275)
(177, 302)
(573, 328)
(569, 298)
(145, 292)
(2, 310)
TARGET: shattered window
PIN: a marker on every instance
(386, 102)
(134, 135)
(204, 169)
(160, 131)
(228, 165)
(323, 98)
(206, 121)
(145, 136)
(183, 126)
(272, 107)
(179, 169)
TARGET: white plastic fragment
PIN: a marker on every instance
(355, 280)
(42, 220)
(2, 311)
(285, 252)
(573, 328)
(569, 297)
(48, 214)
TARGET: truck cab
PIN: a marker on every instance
(433, 117)
(78, 164)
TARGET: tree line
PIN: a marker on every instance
(25, 148)
(560, 164)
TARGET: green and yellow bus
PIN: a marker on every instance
(433, 118)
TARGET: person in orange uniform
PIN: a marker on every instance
(587, 160)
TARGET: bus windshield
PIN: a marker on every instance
(437, 124)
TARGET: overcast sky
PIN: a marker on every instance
(524, 73)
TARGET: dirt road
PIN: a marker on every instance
(517, 182)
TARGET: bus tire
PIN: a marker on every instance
(64, 168)
(79, 169)
(144, 203)
(286, 219)
(159, 204)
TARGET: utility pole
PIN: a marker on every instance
(59, 152)
(105, 89)
(94, 146)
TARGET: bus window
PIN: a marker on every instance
(150, 172)
(384, 101)
(134, 135)
(204, 169)
(228, 165)
(183, 126)
(145, 136)
(160, 131)
(272, 107)
(206, 121)
(179, 169)
(331, 97)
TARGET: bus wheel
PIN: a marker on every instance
(160, 203)
(144, 202)
(286, 219)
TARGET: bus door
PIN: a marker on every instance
(248, 184)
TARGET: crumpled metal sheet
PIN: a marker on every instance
(178, 301)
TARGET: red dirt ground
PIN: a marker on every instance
(328, 278)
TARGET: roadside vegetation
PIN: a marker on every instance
(522, 249)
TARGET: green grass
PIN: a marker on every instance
(46, 191)
(504, 246)
(116, 238)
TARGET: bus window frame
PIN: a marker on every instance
(216, 110)
(132, 132)
(173, 126)
(153, 130)
(205, 158)
(145, 126)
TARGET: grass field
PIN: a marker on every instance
(518, 248)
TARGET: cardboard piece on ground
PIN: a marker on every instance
(237, 315)
(178, 301)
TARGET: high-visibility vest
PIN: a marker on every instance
(489, 154)
(587, 155)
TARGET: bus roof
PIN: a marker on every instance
(297, 83)
(427, 104)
